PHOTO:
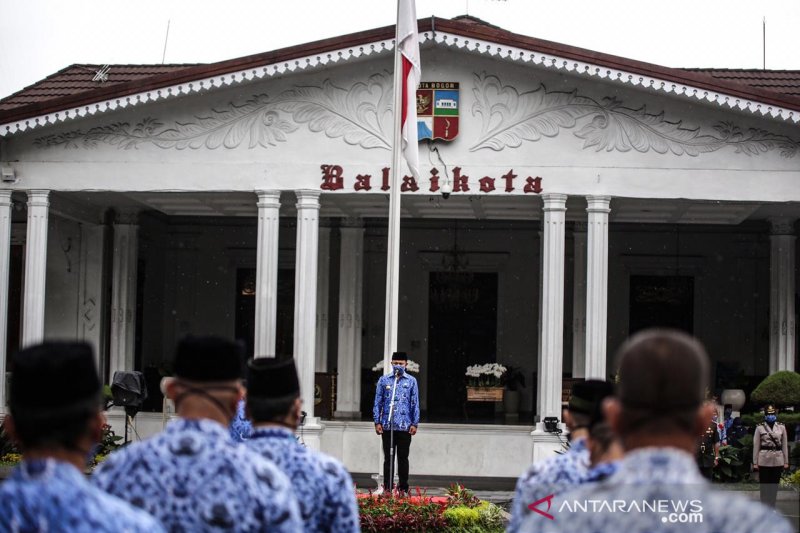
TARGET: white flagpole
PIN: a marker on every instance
(393, 244)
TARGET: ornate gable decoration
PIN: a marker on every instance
(361, 116)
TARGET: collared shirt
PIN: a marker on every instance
(655, 490)
(406, 402)
(240, 427)
(193, 477)
(549, 476)
(46, 495)
(600, 472)
(323, 486)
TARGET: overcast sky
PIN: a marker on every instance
(39, 37)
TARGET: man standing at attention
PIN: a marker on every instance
(193, 476)
(323, 486)
(55, 401)
(404, 418)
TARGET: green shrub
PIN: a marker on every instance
(491, 517)
(462, 517)
(781, 389)
(732, 466)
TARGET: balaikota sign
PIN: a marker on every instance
(437, 110)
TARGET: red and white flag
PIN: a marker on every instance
(408, 47)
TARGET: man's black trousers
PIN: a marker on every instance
(402, 443)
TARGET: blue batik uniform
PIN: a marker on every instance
(46, 495)
(240, 427)
(601, 472)
(193, 477)
(666, 479)
(550, 476)
(406, 402)
(323, 486)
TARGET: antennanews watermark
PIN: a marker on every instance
(671, 510)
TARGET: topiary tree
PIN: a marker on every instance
(781, 389)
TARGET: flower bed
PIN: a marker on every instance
(459, 511)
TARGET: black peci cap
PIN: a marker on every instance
(208, 358)
(399, 356)
(587, 396)
(54, 378)
(271, 379)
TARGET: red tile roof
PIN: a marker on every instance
(77, 79)
(73, 87)
(781, 81)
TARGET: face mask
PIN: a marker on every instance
(771, 418)
(399, 369)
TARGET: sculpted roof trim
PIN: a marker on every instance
(464, 33)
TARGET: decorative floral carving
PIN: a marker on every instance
(358, 115)
(510, 117)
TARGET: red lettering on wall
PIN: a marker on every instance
(533, 185)
(409, 184)
(362, 183)
(487, 184)
(509, 177)
(460, 183)
(385, 186)
(434, 180)
(332, 179)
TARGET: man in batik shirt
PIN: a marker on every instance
(404, 422)
(55, 401)
(322, 484)
(560, 472)
(659, 414)
(193, 476)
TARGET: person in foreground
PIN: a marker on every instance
(55, 401)
(323, 486)
(659, 413)
(193, 476)
(561, 472)
(405, 418)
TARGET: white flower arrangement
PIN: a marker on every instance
(486, 375)
(412, 366)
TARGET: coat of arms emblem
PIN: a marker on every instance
(437, 110)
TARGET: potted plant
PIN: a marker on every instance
(513, 381)
(485, 382)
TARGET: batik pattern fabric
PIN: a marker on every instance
(323, 486)
(50, 496)
(406, 402)
(193, 478)
(601, 472)
(655, 490)
(549, 476)
(240, 427)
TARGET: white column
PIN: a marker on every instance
(35, 268)
(123, 293)
(351, 279)
(305, 295)
(5, 258)
(552, 315)
(579, 301)
(597, 286)
(323, 296)
(269, 206)
(781, 300)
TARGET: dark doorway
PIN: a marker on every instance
(662, 301)
(246, 310)
(462, 331)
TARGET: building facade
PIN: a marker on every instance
(592, 196)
